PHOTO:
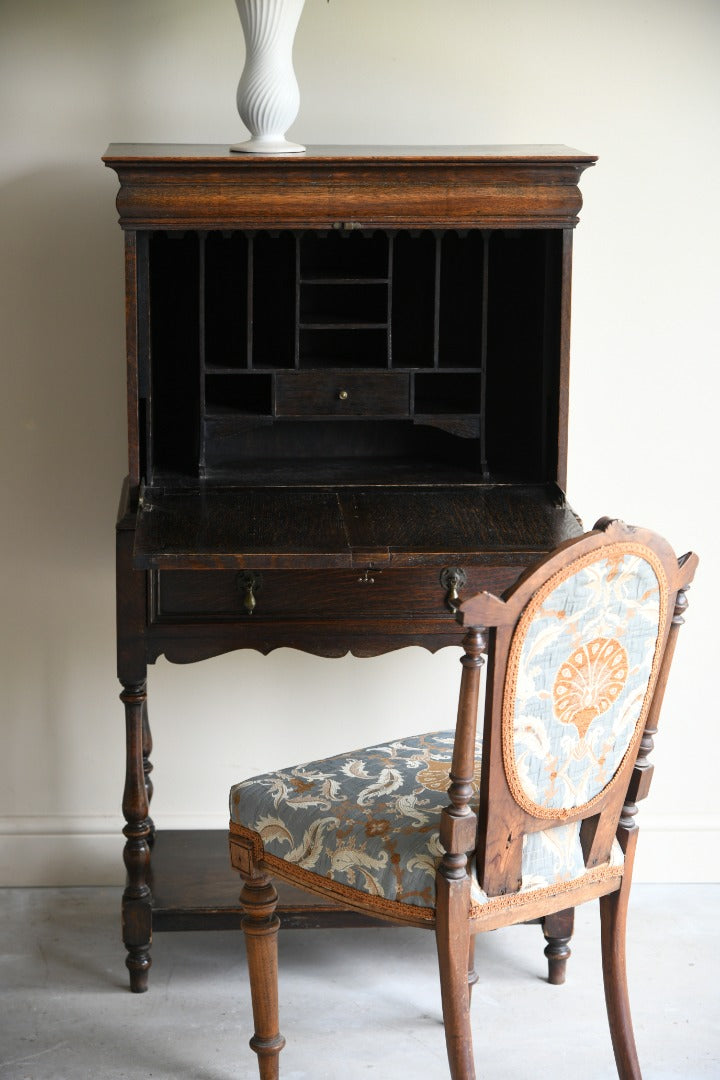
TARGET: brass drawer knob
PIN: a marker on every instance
(343, 395)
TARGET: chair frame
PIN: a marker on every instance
(495, 833)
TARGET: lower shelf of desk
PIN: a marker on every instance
(195, 888)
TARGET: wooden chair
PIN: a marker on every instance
(579, 651)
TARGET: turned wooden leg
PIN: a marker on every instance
(458, 835)
(558, 930)
(147, 746)
(136, 903)
(260, 925)
(453, 937)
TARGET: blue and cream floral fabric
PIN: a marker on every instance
(577, 679)
(370, 820)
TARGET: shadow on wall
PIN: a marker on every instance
(61, 464)
(64, 362)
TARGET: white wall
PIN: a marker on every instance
(635, 81)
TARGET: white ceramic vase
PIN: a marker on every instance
(268, 96)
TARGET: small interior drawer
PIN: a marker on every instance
(340, 393)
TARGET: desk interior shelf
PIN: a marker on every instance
(448, 339)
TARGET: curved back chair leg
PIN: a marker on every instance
(613, 920)
(260, 926)
(453, 945)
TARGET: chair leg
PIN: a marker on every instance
(613, 920)
(558, 930)
(260, 925)
(472, 975)
(453, 938)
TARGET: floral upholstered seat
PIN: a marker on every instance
(370, 820)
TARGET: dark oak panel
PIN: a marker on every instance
(220, 527)
(184, 899)
(486, 523)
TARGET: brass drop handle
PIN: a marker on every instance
(249, 585)
(343, 395)
(249, 601)
(452, 579)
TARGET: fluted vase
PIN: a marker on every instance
(268, 96)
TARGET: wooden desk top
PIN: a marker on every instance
(303, 528)
(173, 186)
(125, 153)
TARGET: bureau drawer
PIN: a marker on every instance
(221, 595)
(312, 393)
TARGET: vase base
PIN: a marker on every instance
(264, 145)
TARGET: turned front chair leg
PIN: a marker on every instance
(452, 935)
(260, 925)
(558, 930)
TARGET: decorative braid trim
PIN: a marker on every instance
(559, 813)
(395, 910)
(511, 901)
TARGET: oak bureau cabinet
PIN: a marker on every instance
(347, 380)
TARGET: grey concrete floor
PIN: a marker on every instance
(354, 1003)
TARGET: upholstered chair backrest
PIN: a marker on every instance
(576, 652)
(582, 665)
